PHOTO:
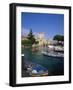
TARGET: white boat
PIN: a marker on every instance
(53, 54)
(22, 54)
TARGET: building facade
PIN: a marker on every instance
(41, 39)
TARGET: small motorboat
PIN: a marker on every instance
(53, 54)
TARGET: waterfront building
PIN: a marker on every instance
(41, 39)
(52, 42)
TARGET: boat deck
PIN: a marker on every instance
(53, 54)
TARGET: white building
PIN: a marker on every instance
(41, 39)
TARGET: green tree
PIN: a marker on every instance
(30, 40)
(58, 37)
(31, 37)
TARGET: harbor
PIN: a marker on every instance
(37, 64)
(42, 44)
(32, 69)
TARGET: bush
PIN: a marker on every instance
(26, 42)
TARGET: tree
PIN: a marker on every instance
(31, 37)
(58, 37)
(30, 40)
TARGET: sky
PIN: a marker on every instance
(50, 24)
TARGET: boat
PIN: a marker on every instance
(39, 70)
(53, 54)
(34, 69)
(22, 55)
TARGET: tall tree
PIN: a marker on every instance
(31, 37)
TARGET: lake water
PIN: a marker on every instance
(54, 65)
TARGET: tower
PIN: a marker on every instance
(41, 38)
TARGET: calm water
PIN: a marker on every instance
(55, 66)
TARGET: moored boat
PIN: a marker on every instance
(53, 54)
(22, 55)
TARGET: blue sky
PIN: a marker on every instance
(50, 24)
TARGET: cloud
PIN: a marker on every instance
(24, 32)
